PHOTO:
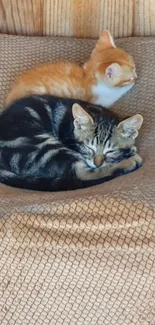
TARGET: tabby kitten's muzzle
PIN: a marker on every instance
(98, 160)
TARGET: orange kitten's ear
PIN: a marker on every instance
(81, 118)
(105, 42)
(113, 71)
(130, 126)
(106, 39)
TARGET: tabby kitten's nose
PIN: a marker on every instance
(98, 161)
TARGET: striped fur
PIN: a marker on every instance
(43, 147)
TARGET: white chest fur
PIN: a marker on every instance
(107, 96)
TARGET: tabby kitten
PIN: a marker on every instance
(108, 75)
(52, 144)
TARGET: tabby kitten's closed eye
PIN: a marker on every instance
(52, 144)
(108, 74)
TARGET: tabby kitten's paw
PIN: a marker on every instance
(129, 165)
(135, 162)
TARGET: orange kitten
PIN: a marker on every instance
(107, 76)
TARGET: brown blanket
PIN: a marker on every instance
(85, 257)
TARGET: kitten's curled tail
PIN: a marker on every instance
(46, 184)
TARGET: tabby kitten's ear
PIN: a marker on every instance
(130, 126)
(81, 118)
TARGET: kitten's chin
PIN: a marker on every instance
(127, 86)
(106, 95)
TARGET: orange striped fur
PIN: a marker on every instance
(109, 74)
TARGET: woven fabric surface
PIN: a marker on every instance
(85, 257)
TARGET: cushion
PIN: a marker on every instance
(85, 256)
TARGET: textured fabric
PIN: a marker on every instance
(88, 256)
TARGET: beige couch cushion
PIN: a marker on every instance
(88, 256)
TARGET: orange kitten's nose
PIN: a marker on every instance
(98, 161)
(133, 80)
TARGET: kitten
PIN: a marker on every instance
(52, 144)
(108, 75)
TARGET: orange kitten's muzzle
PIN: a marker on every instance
(98, 160)
(134, 77)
